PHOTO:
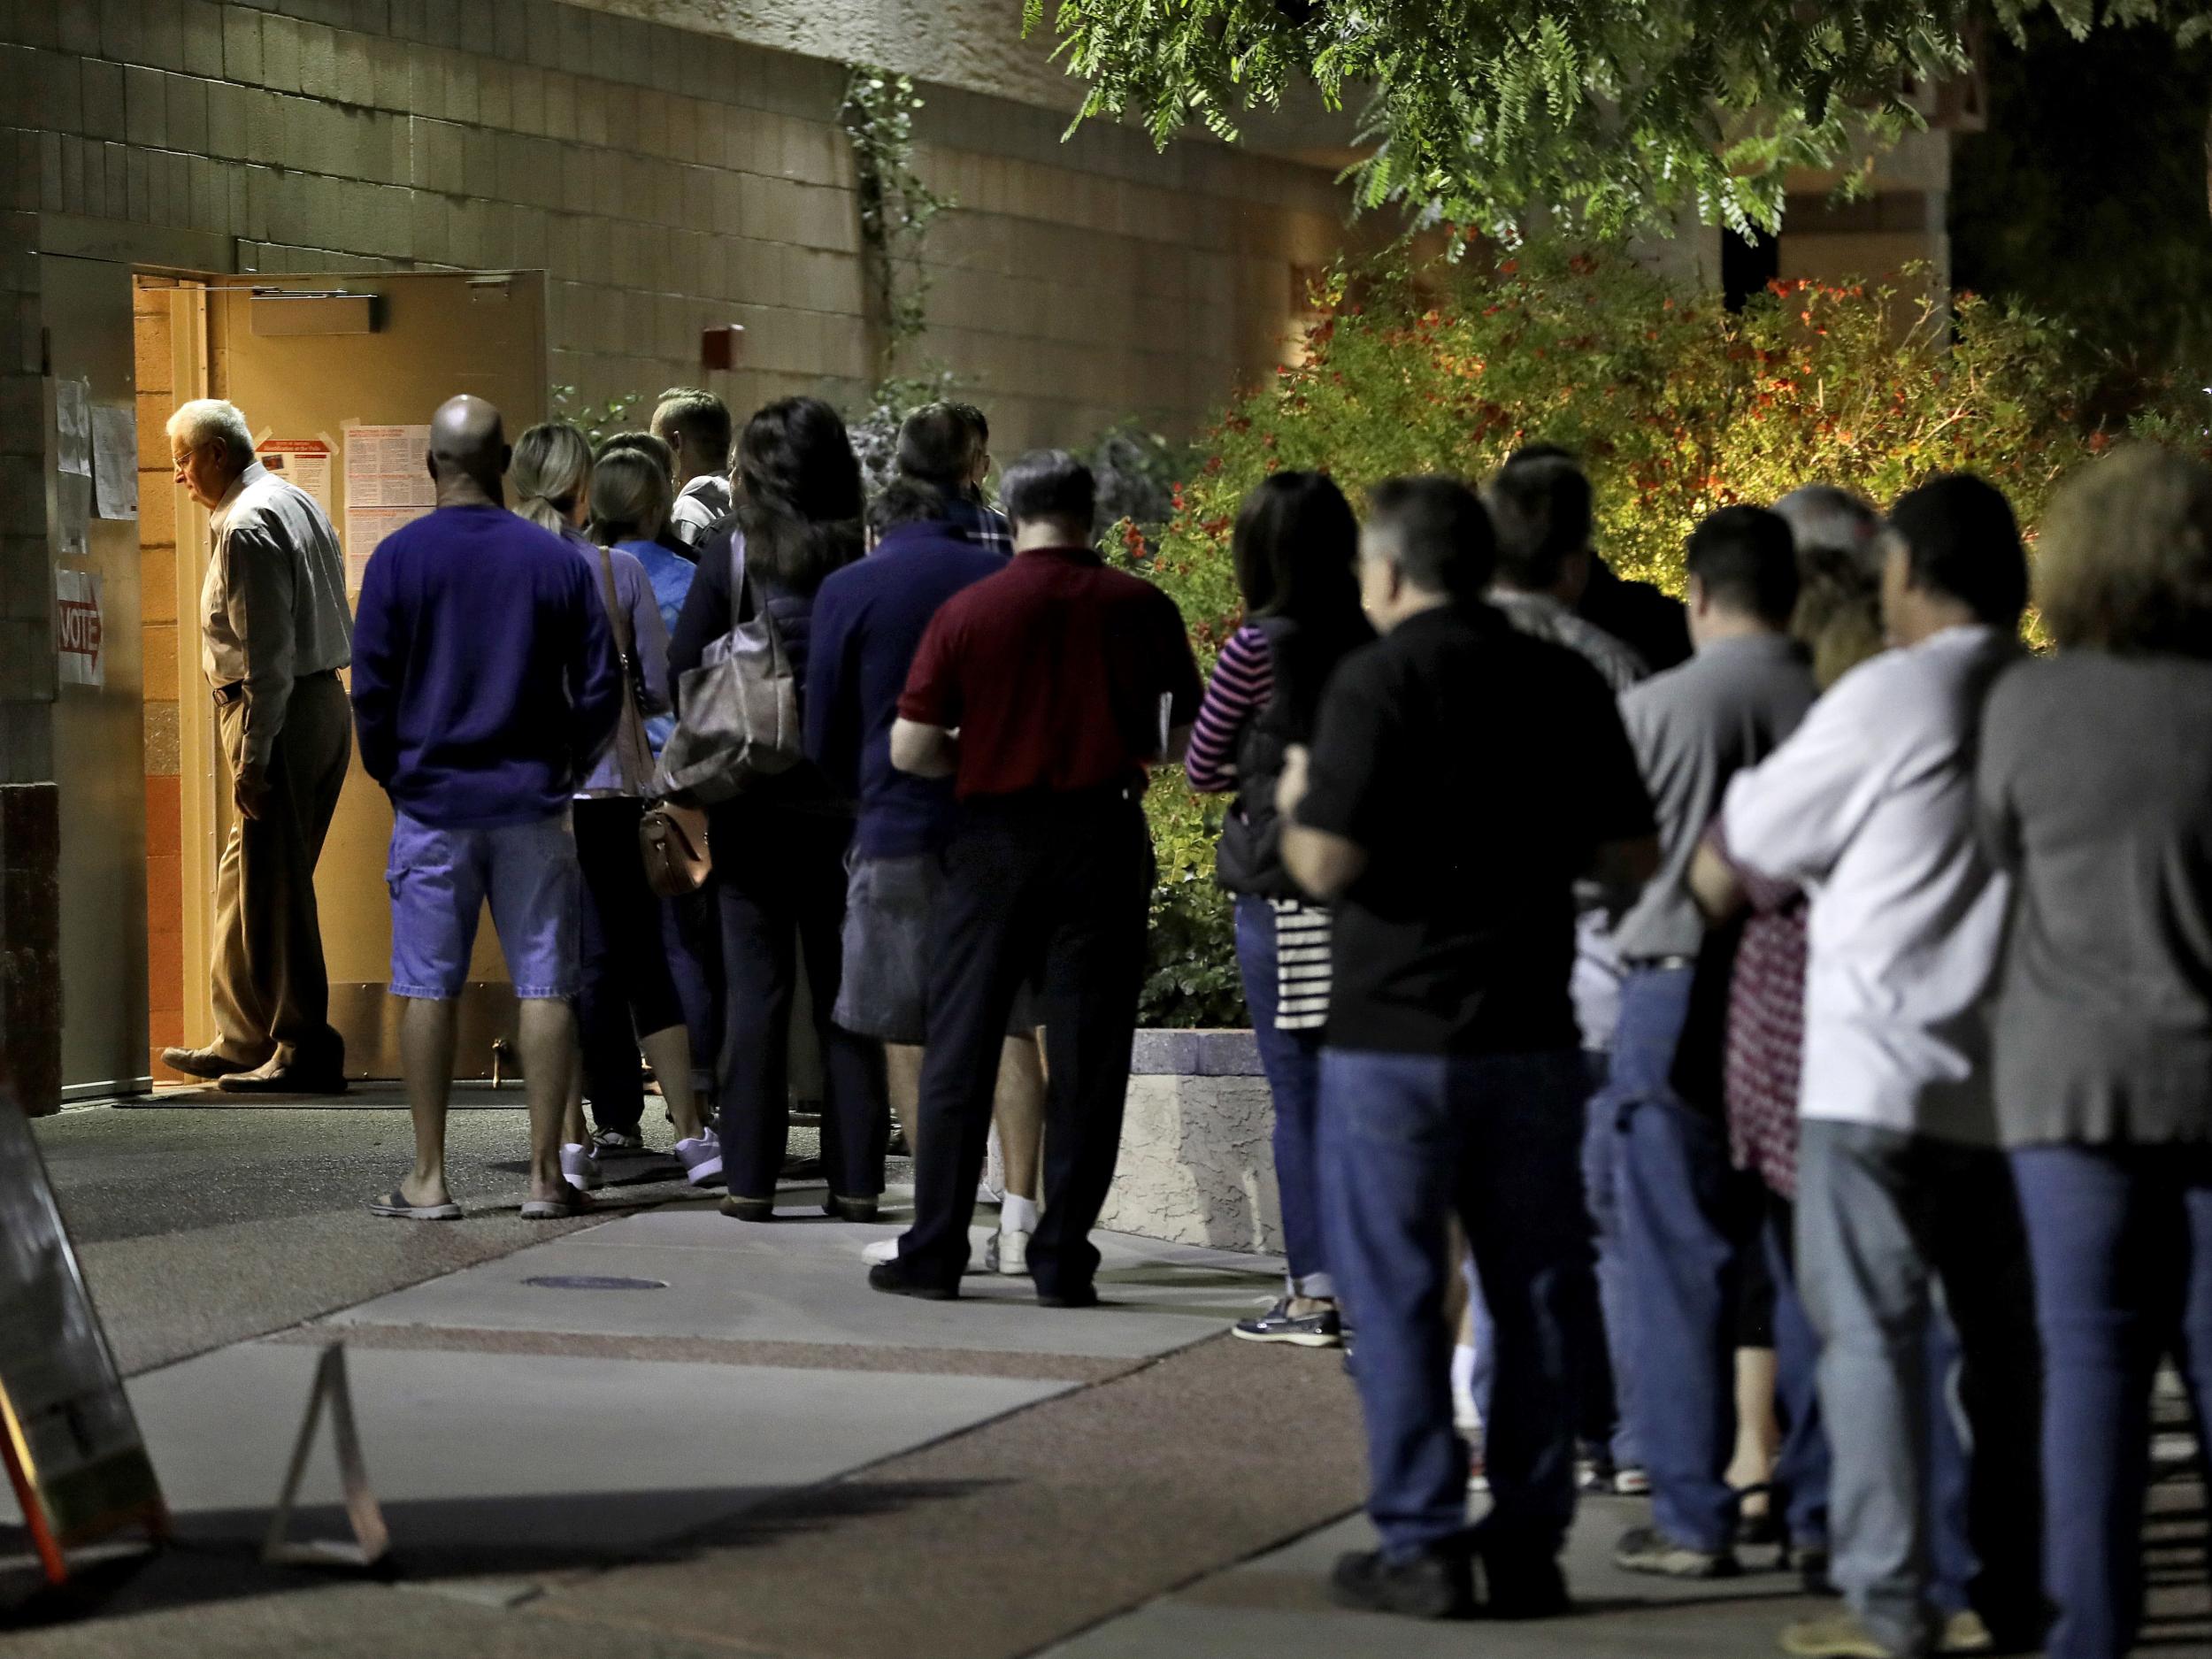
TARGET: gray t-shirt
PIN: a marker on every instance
(2096, 788)
(1694, 728)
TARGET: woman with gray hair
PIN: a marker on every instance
(2096, 792)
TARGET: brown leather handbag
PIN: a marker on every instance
(672, 838)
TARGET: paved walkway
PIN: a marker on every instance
(669, 1434)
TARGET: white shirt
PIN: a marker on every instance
(699, 506)
(273, 608)
(1870, 806)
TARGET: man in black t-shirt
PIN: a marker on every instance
(1462, 776)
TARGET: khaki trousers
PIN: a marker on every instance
(271, 992)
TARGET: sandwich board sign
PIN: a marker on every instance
(67, 1434)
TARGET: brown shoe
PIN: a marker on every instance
(203, 1063)
(283, 1079)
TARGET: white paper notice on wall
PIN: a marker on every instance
(304, 462)
(73, 431)
(387, 485)
(78, 627)
(114, 461)
(72, 514)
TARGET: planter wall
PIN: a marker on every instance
(1197, 1159)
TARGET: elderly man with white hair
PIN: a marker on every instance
(275, 630)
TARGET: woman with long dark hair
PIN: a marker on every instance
(1295, 546)
(779, 847)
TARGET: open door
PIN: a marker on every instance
(312, 361)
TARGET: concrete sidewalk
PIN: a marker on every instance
(669, 1434)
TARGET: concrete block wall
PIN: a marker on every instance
(668, 180)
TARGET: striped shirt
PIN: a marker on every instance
(1242, 685)
(1242, 682)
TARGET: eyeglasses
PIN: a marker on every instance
(178, 463)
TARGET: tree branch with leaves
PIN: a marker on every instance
(1615, 115)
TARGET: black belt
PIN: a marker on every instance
(235, 692)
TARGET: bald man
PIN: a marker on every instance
(484, 687)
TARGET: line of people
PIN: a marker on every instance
(1804, 967)
(1882, 955)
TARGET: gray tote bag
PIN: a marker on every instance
(740, 707)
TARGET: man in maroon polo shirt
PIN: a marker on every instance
(1043, 692)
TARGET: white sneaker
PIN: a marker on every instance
(578, 1167)
(882, 1251)
(1007, 1253)
(702, 1158)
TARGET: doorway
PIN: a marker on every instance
(337, 376)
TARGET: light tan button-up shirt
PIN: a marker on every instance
(274, 608)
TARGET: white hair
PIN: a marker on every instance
(204, 419)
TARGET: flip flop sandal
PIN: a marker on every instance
(394, 1205)
(569, 1202)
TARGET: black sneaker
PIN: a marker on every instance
(1518, 1584)
(1809, 1563)
(1436, 1584)
(1279, 1325)
(1647, 1549)
(897, 1277)
(1082, 1295)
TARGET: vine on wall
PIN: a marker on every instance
(896, 208)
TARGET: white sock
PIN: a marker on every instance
(1017, 1214)
(1464, 1384)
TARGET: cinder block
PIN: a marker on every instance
(77, 28)
(426, 238)
(683, 143)
(591, 111)
(425, 82)
(241, 44)
(355, 79)
(650, 134)
(388, 80)
(22, 417)
(188, 113)
(495, 94)
(478, 36)
(527, 89)
(74, 151)
(461, 101)
(54, 80)
(145, 106)
(138, 187)
(281, 53)
(202, 22)
(480, 162)
(441, 22)
(561, 118)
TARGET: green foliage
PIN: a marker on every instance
(1191, 978)
(1614, 113)
(598, 422)
(1677, 406)
(896, 207)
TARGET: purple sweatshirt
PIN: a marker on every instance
(484, 678)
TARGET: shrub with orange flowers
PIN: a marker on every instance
(1677, 406)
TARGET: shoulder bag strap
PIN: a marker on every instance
(625, 747)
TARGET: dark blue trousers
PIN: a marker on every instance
(2120, 1239)
(1408, 1140)
(1292, 1060)
(1685, 1215)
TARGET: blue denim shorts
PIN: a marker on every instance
(440, 880)
(884, 988)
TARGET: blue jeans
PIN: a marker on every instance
(1408, 1139)
(2122, 1243)
(1600, 1187)
(1292, 1060)
(1893, 1228)
(1684, 1216)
